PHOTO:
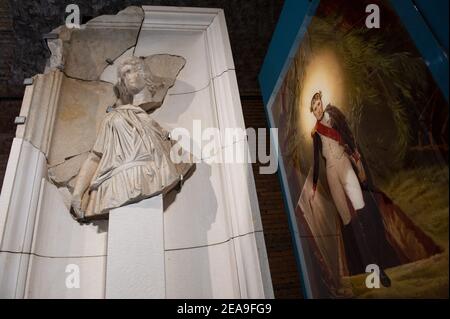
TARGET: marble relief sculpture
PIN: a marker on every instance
(130, 159)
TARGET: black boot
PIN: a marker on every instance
(384, 279)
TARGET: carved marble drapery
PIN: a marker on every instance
(135, 161)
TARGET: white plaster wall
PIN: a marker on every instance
(40, 239)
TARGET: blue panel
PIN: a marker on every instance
(435, 15)
(291, 27)
(286, 34)
(428, 46)
(430, 37)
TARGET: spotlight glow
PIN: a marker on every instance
(323, 73)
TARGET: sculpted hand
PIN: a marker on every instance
(76, 206)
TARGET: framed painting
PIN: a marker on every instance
(362, 122)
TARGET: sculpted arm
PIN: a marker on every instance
(83, 181)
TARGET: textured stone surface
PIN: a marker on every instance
(39, 107)
(165, 68)
(63, 173)
(82, 106)
(8, 86)
(84, 51)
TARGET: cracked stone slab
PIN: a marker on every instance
(83, 52)
(165, 69)
(39, 107)
(66, 196)
(63, 173)
(81, 109)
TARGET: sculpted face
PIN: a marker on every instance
(317, 109)
(133, 77)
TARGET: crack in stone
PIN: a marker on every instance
(53, 176)
(65, 184)
(205, 87)
(66, 159)
(64, 48)
(139, 32)
(85, 80)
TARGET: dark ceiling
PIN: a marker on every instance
(22, 24)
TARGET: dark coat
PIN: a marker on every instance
(339, 123)
(367, 243)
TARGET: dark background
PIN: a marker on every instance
(250, 26)
(22, 24)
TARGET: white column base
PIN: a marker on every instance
(135, 263)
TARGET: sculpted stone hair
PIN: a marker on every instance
(138, 64)
(316, 96)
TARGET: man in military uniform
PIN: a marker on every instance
(352, 191)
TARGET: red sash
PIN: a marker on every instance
(328, 132)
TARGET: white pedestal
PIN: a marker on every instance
(135, 263)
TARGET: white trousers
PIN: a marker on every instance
(342, 181)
